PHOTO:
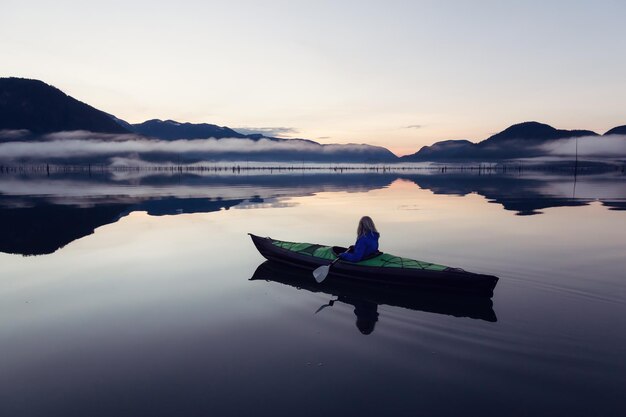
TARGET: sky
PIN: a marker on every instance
(400, 74)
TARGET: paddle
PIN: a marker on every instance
(321, 273)
(330, 304)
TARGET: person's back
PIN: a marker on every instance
(366, 243)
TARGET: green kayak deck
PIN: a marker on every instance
(384, 260)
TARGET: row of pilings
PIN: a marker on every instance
(246, 168)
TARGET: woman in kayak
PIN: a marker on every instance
(366, 242)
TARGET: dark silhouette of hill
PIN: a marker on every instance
(451, 149)
(41, 108)
(172, 130)
(619, 130)
(521, 140)
(311, 151)
(534, 131)
(122, 123)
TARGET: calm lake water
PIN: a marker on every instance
(131, 294)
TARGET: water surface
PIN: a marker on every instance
(130, 294)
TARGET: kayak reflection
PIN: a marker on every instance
(365, 298)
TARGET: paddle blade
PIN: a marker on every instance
(320, 273)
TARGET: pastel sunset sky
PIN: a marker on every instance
(400, 74)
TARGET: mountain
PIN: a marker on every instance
(30, 108)
(36, 107)
(451, 149)
(172, 130)
(302, 150)
(122, 123)
(41, 108)
(533, 131)
(619, 130)
(521, 140)
(274, 149)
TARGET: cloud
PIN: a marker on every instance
(278, 132)
(8, 134)
(87, 135)
(414, 126)
(611, 146)
(86, 144)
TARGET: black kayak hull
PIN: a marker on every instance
(450, 280)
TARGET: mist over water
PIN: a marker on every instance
(17, 146)
(80, 146)
(600, 147)
(141, 294)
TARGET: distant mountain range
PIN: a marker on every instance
(172, 130)
(33, 108)
(522, 140)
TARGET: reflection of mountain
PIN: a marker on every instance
(615, 205)
(43, 227)
(521, 194)
(366, 298)
(70, 206)
(171, 205)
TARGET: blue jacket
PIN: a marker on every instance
(365, 245)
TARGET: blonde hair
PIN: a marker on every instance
(366, 225)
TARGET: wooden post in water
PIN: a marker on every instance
(576, 161)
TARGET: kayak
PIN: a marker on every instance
(379, 269)
(362, 293)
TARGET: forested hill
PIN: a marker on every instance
(40, 108)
